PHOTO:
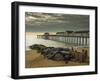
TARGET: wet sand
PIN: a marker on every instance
(34, 60)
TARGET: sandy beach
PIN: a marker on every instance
(34, 60)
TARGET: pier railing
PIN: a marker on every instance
(74, 40)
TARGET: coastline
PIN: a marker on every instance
(36, 60)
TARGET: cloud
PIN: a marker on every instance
(43, 18)
(40, 22)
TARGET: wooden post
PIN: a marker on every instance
(86, 41)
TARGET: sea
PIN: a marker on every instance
(32, 39)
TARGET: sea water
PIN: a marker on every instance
(32, 39)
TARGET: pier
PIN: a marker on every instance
(78, 38)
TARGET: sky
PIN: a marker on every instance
(52, 22)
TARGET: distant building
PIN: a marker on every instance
(69, 33)
(77, 33)
(60, 33)
(46, 35)
(82, 33)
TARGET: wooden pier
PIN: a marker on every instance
(75, 40)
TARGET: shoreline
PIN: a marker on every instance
(36, 60)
